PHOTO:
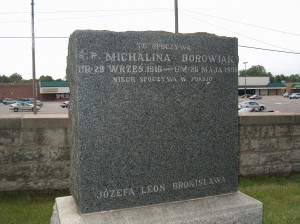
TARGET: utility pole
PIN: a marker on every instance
(245, 77)
(33, 58)
(176, 16)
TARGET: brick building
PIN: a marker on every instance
(292, 87)
(46, 90)
(18, 90)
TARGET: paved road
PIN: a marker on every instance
(276, 103)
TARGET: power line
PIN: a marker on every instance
(8, 13)
(150, 11)
(130, 12)
(16, 21)
(57, 37)
(122, 10)
(234, 32)
(86, 17)
(84, 11)
(102, 10)
(247, 24)
(288, 2)
(265, 49)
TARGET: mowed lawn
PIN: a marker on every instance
(280, 195)
(30, 207)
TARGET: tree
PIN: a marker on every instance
(281, 78)
(259, 70)
(256, 70)
(4, 79)
(15, 78)
(294, 78)
(46, 78)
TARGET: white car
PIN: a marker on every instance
(255, 97)
(248, 110)
(294, 96)
(30, 101)
(65, 104)
(38, 102)
(22, 106)
(8, 101)
(252, 104)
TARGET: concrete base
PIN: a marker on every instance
(229, 208)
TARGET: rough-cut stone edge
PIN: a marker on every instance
(229, 208)
(30, 121)
(268, 118)
(10, 122)
(61, 120)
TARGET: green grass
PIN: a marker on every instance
(27, 207)
(280, 195)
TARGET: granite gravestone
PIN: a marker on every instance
(153, 118)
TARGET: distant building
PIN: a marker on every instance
(54, 90)
(45, 90)
(260, 86)
(292, 87)
(18, 90)
(59, 90)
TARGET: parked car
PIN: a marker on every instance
(246, 96)
(65, 104)
(248, 109)
(294, 96)
(255, 97)
(7, 101)
(22, 106)
(4, 99)
(287, 94)
(252, 104)
(25, 99)
(38, 102)
(30, 100)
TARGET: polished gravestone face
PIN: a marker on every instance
(153, 117)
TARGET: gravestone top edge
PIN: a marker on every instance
(159, 32)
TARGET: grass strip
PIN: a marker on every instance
(280, 195)
(28, 207)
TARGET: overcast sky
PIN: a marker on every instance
(266, 24)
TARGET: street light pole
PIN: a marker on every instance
(33, 58)
(245, 77)
(176, 16)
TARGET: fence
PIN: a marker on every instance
(34, 153)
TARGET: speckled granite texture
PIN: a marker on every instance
(153, 117)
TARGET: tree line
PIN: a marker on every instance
(260, 71)
(254, 71)
(17, 78)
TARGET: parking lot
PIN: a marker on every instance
(47, 108)
(278, 103)
(275, 103)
